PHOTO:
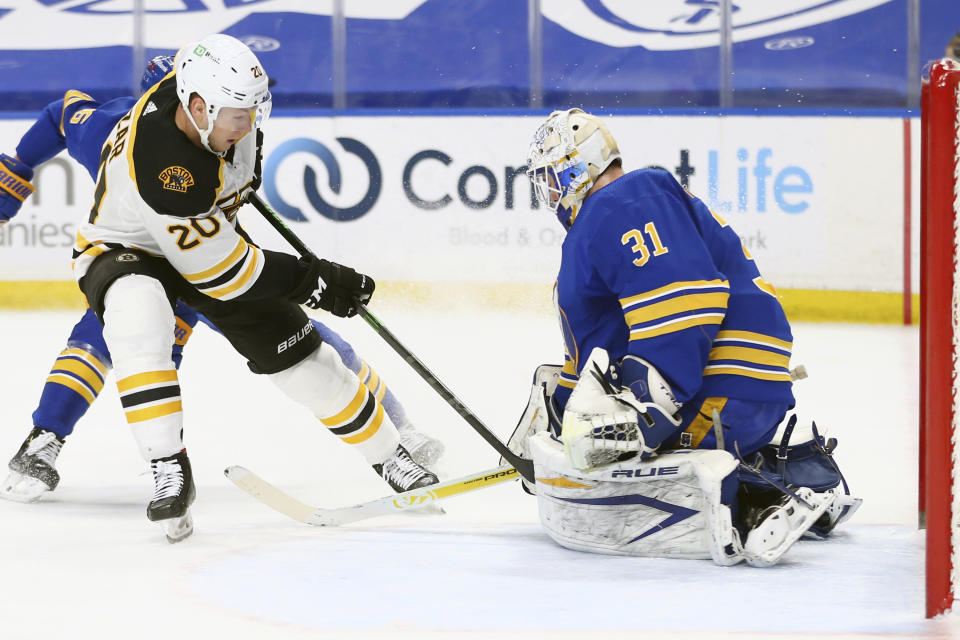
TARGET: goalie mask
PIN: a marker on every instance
(568, 153)
(227, 75)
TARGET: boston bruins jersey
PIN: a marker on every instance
(158, 192)
(647, 269)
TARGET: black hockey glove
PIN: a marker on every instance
(332, 287)
(257, 165)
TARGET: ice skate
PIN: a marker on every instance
(402, 473)
(173, 494)
(425, 450)
(782, 524)
(32, 469)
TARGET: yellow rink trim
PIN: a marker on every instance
(801, 305)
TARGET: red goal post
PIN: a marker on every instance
(940, 329)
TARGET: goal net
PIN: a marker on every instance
(940, 331)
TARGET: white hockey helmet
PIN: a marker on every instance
(568, 153)
(226, 74)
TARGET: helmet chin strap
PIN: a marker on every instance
(205, 133)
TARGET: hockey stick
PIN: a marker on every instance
(318, 516)
(523, 466)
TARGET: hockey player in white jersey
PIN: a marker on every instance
(163, 226)
(79, 124)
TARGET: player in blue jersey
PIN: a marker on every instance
(80, 125)
(674, 341)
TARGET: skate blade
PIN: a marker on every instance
(178, 529)
(20, 488)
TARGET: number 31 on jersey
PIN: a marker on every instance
(634, 238)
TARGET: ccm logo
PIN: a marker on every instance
(295, 338)
(645, 473)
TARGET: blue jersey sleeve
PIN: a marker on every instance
(79, 124)
(44, 139)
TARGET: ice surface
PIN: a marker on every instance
(86, 560)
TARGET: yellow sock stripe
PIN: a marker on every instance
(73, 384)
(145, 379)
(349, 410)
(81, 369)
(87, 357)
(158, 411)
(373, 382)
(370, 430)
(382, 392)
(364, 372)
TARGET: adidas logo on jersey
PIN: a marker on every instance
(150, 108)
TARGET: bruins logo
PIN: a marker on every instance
(176, 179)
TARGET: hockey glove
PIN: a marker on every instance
(332, 287)
(14, 186)
(603, 423)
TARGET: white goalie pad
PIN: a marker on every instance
(536, 417)
(665, 507)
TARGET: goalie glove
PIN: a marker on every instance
(15, 186)
(604, 423)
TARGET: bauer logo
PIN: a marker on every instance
(334, 181)
(691, 24)
(299, 336)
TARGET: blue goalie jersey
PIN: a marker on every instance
(649, 270)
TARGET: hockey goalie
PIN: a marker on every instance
(670, 429)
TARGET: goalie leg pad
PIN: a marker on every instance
(670, 507)
(539, 414)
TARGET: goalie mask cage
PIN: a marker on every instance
(940, 331)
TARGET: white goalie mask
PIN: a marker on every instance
(568, 153)
(227, 75)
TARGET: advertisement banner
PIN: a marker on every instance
(818, 202)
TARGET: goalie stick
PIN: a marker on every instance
(523, 466)
(318, 516)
